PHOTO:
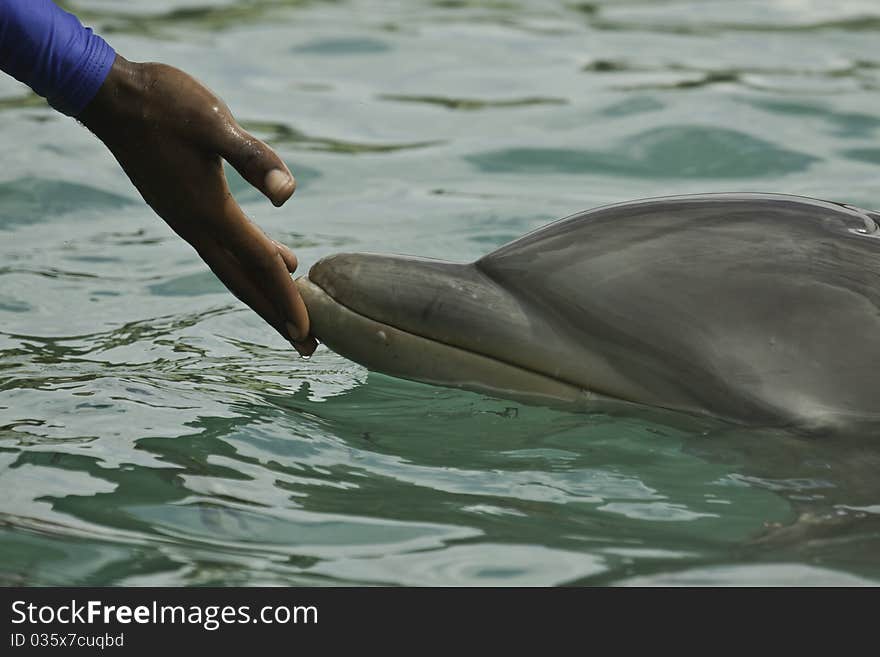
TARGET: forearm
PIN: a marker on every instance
(49, 50)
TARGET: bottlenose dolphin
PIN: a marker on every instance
(759, 309)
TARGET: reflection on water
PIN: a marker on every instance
(153, 431)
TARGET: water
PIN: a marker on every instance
(154, 431)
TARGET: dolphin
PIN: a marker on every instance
(758, 309)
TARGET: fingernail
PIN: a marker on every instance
(306, 348)
(292, 331)
(278, 184)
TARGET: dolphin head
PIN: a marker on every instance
(438, 322)
(728, 305)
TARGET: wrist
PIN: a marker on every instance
(119, 99)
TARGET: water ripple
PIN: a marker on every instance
(470, 565)
(154, 431)
(666, 152)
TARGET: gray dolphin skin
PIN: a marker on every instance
(759, 309)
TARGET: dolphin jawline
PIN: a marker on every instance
(396, 352)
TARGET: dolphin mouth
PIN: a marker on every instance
(397, 316)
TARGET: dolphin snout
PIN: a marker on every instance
(440, 322)
(429, 320)
(336, 274)
(414, 294)
(456, 304)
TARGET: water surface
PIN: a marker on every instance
(154, 431)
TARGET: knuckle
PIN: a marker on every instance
(250, 155)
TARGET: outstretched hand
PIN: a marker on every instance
(170, 134)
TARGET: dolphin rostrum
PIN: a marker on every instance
(760, 309)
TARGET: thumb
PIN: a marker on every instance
(258, 164)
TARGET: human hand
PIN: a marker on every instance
(170, 134)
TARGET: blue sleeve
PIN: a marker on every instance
(50, 51)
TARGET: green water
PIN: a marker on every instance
(154, 431)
